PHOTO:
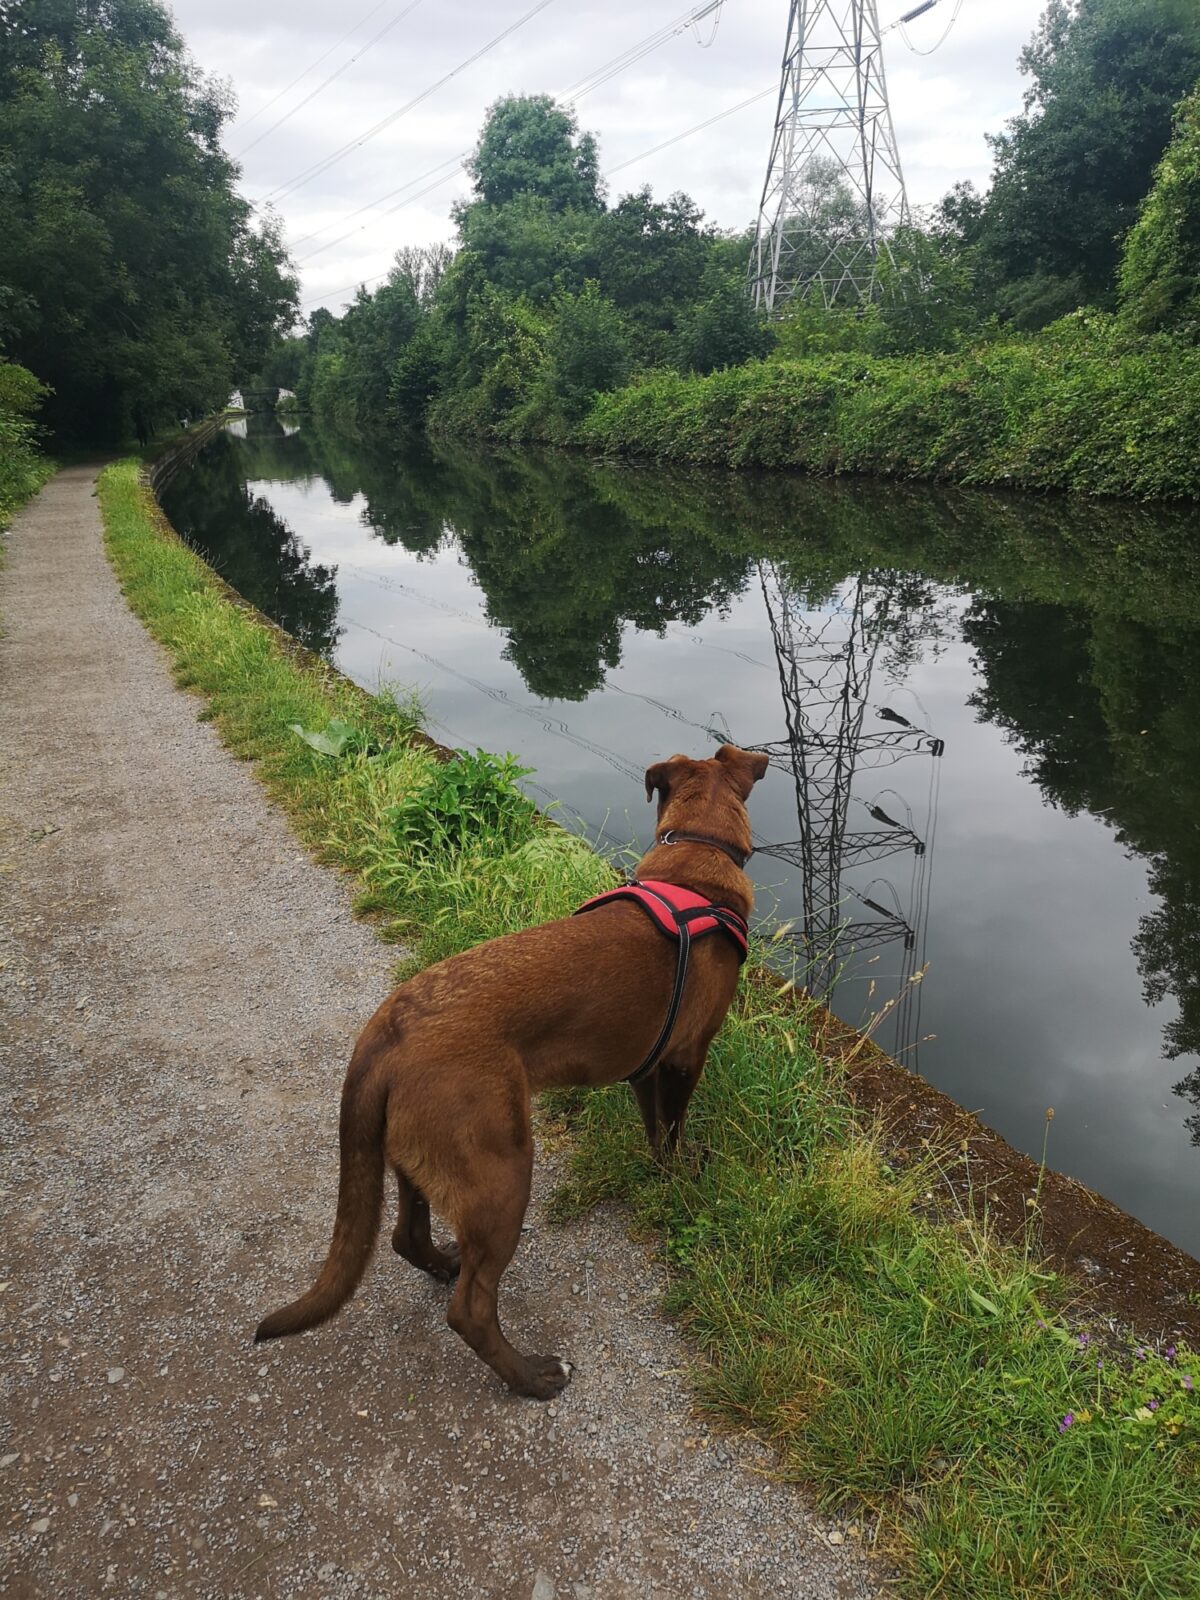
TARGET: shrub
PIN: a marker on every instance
(22, 468)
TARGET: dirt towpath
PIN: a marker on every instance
(180, 987)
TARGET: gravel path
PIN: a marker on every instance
(179, 987)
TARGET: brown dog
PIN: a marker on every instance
(440, 1080)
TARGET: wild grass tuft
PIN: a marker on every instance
(905, 1364)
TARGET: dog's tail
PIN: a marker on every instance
(360, 1197)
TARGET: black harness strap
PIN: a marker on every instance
(729, 921)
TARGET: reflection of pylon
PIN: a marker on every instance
(834, 189)
(825, 668)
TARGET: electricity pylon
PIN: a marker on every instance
(834, 191)
(826, 663)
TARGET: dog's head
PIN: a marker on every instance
(707, 794)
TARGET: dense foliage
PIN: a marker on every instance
(21, 467)
(1080, 407)
(1071, 170)
(552, 297)
(1160, 275)
(133, 279)
(1014, 338)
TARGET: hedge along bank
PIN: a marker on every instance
(912, 1366)
(1079, 407)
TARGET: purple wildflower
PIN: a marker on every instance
(1187, 1383)
(1169, 1352)
(1085, 1339)
(1067, 1422)
(1140, 1353)
(1151, 1405)
(1099, 1366)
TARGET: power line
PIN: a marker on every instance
(699, 127)
(584, 86)
(946, 32)
(319, 167)
(454, 162)
(313, 65)
(325, 82)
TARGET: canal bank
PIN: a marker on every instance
(864, 1321)
(181, 986)
(978, 711)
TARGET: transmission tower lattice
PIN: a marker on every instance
(834, 191)
(826, 662)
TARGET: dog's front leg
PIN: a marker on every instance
(675, 1082)
(645, 1092)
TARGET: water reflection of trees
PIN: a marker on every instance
(252, 548)
(1106, 710)
(1086, 625)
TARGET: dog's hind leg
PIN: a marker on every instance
(488, 1219)
(412, 1238)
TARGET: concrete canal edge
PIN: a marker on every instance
(1124, 1269)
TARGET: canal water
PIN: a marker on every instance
(981, 826)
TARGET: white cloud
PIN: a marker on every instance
(942, 105)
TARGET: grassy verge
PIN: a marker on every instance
(1079, 407)
(899, 1362)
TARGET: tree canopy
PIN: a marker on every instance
(1072, 169)
(134, 280)
(532, 146)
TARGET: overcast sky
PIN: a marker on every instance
(942, 104)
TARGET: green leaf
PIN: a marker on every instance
(336, 739)
(982, 1301)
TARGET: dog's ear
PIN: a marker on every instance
(745, 767)
(660, 777)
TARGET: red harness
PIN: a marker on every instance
(681, 915)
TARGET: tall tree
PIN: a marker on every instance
(1071, 170)
(530, 145)
(133, 278)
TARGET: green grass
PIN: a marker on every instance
(900, 1363)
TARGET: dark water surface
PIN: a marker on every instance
(982, 711)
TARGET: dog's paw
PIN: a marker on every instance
(543, 1377)
(447, 1265)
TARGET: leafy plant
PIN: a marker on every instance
(470, 801)
(338, 738)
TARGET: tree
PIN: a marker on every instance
(531, 146)
(422, 267)
(133, 278)
(588, 348)
(1160, 272)
(926, 295)
(649, 256)
(1071, 170)
(723, 329)
(527, 246)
